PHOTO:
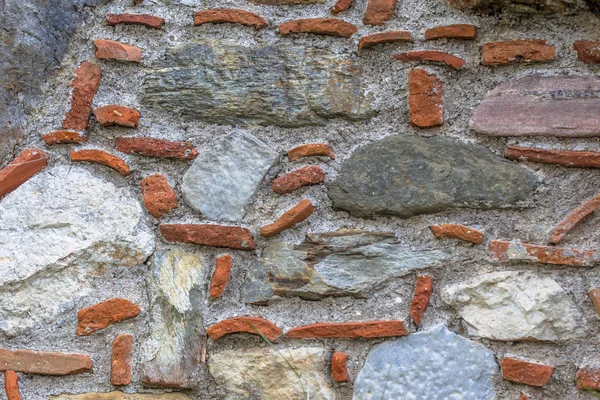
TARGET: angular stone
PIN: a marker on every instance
(232, 84)
(385, 37)
(221, 15)
(536, 105)
(44, 362)
(406, 175)
(525, 372)
(425, 99)
(121, 396)
(349, 330)
(101, 157)
(266, 372)
(175, 289)
(342, 263)
(457, 31)
(289, 219)
(516, 52)
(515, 251)
(223, 178)
(28, 163)
(85, 85)
(246, 325)
(120, 372)
(318, 26)
(135, 19)
(433, 365)
(233, 237)
(159, 196)
(102, 315)
(510, 306)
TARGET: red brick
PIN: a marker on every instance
(11, 385)
(113, 114)
(425, 99)
(159, 196)
(120, 373)
(221, 276)
(112, 50)
(526, 372)
(244, 324)
(433, 56)
(379, 11)
(349, 330)
(587, 51)
(517, 51)
(341, 6)
(514, 251)
(588, 378)
(306, 176)
(576, 216)
(28, 163)
(223, 15)
(456, 231)
(595, 297)
(233, 237)
(339, 367)
(85, 85)
(44, 362)
(523, 397)
(420, 301)
(310, 150)
(101, 157)
(61, 137)
(319, 26)
(291, 217)
(566, 158)
(101, 315)
(458, 31)
(135, 19)
(151, 147)
(385, 37)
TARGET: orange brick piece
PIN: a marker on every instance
(11, 385)
(588, 378)
(349, 330)
(425, 99)
(44, 362)
(101, 157)
(135, 19)
(60, 137)
(113, 50)
(339, 367)
(311, 175)
(221, 276)
(587, 51)
(120, 373)
(500, 250)
(379, 11)
(244, 324)
(595, 296)
(318, 26)
(525, 372)
(566, 158)
(420, 301)
(524, 397)
(151, 147)
(576, 216)
(456, 231)
(291, 217)
(310, 150)
(113, 114)
(85, 85)
(233, 237)
(458, 31)
(101, 315)
(341, 6)
(222, 15)
(28, 163)
(159, 196)
(385, 37)
(433, 56)
(517, 51)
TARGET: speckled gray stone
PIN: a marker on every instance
(435, 365)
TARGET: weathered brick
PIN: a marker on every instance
(28, 163)
(385, 37)
(44, 362)
(223, 15)
(120, 373)
(425, 99)
(101, 315)
(159, 196)
(379, 11)
(291, 217)
(349, 330)
(61, 137)
(588, 378)
(318, 26)
(526, 372)
(113, 114)
(523, 397)
(221, 276)
(457, 31)
(151, 147)
(340, 6)
(566, 158)
(574, 217)
(595, 297)
(433, 56)
(500, 250)
(101, 157)
(244, 324)
(113, 50)
(306, 176)
(420, 301)
(85, 85)
(339, 367)
(135, 19)
(310, 150)
(456, 231)
(233, 237)
(587, 51)
(517, 51)
(11, 385)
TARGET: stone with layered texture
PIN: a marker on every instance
(511, 306)
(406, 175)
(121, 396)
(231, 84)
(516, 6)
(53, 230)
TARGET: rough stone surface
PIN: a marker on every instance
(322, 85)
(221, 15)
(318, 26)
(233, 237)
(85, 85)
(159, 196)
(517, 51)
(121, 396)
(515, 251)
(425, 99)
(428, 175)
(511, 306)
(289, 219)
(435, 365)
(44, 362)
(246, 325)
(385, 37)
(122, 357)
(526, 372)
(101, 315)
(349, 330)
(28, 163)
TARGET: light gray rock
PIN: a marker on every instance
(433, 365)
(222, 179)
(121, 396)
(513, 306)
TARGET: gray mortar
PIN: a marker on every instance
(386, 80)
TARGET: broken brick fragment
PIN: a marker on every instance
(349, 330)
(574, 217)
(151, 147)
(566, 158)
(525, 372)
(341, 6)
(517, 51)
(101, 315)
(246, 325)
(432, 56)
(62, 137)
(44, 362)
(500, 250)
(588, 378)
(113, 50)
(101, 157)
(595, 297)
(28, 163)
(291, 217)
(587, 51)
(224, 15)
(135, 19)
(379, 11)
(113, 114)
(120, 373)
(457, 31)
(85, 85)
(425, 99)
(11, 385)
(310, 150)
(339, 367)
(456, 231)
(233, 237)
(221, 276)
(159, 196)
(385, 37)
(306, 176)
(420, 301)
(318, 26)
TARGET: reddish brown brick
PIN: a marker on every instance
(525, 372)
(112, 50)
(233, 237)
(151, 147)
(385, 37)
(120, 373)
(379, 11)
(135, 19)
(61, 137)
(11, 385)
(244, 324)
(456, 231)
(349, 330)
(291, 217)
(44, 362)
(595, 297)
(159, 196)
(425, 99)
(523, 397)
(517, 51)
(318, 26)
(339, 367)
(432, 56)
(588, 378)
(566, 158)
(28, 163)
(306, 176)
(587, 51)
(341, 6)
(500, 250)
(101, 157)
(420, 301)
(101, 315)
(221, 276)
(85, 85)
(113, 114)
(576, 216)
(310, 150)
(223, 15)
(458, 31)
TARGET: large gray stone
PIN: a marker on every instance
(406, 175)
(232, 84)
(433, 365)
(222, 179)
(342, 263)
